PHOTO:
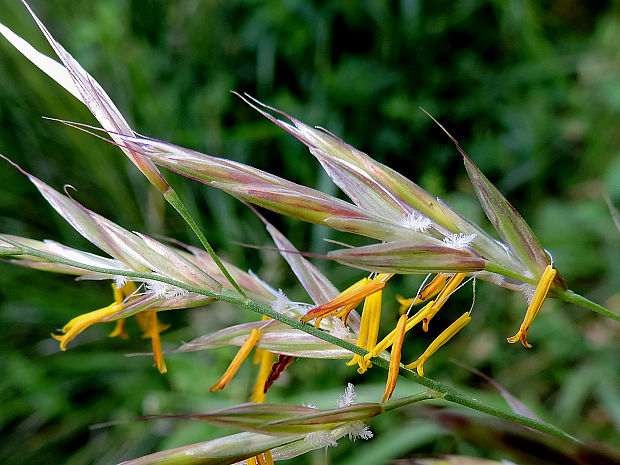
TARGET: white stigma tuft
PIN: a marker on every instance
(459, 241)
(164, 291)
(528, 290)
(281, 302)
(338, 329)
(416, 221)
(359, 429)
(320, 439)
(120, 281)
(349, 397)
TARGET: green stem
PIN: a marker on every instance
(441, 391)
(495, 268)
(574, 298)
(397, 403)
(173, 199)
(566, 296)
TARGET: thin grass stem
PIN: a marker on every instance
(174, 200)
(441, 391)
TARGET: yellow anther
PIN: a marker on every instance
(386, 342)
(442, 297)
(119, 329)
(124, 291)
(397, 345)
(241, 355)
(265, 458)
(144, 321)
(81, 322)
(369, 326)
(444, 337)
(428, 292)
(154, 330)
(405, 304)
(432, 289)
(346, 300)
(265, 358)
(261, 459)
(369, 329)
(268, 457)
(534, 307)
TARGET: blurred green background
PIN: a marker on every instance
(530, 89)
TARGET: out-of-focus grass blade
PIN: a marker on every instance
(615, 215)
(87, 90)
(515, 404)
(394, 442)
(520, 444)
(450, 460)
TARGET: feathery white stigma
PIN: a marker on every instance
(338, 329)
(359, 429)
(164, 291)
(528, 290)
(281, 302)
(349, 397)
(120, 281)
(319, 439)
(459, 241)
(416, 221)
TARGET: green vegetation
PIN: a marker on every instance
(532, 93)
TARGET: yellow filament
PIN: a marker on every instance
(534, 307)
(251, 460)
(242, 354)
(444, 337)
(395, 358)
